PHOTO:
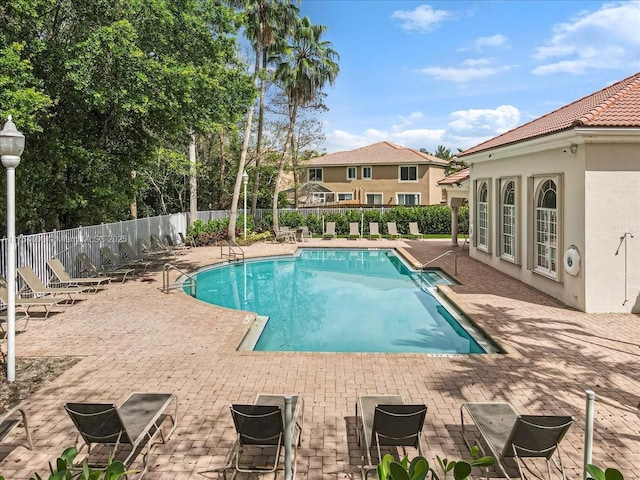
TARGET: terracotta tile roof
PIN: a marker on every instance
(615, 106)
(381, 153)
(458, 177)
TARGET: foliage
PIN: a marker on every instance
(253, 237)
(609, 474)
(463, 219)
(209, 233)
(64, 470)
(292, 219)
(109, 84)
(419, 468)
(304, 66)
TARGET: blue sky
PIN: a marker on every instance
(454, 73)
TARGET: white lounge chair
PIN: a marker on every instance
(39, 289)
(62, 277)
(374, 230)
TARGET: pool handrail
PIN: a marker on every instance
(448, 252)
(167, 286)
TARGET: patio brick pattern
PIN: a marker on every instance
(133, 337)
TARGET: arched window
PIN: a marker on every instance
(483, 215)
(508, 227)
(547, 228)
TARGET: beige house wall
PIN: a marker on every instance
(598, 200)
(385, 181)
(612, 208)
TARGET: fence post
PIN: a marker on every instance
(287, 436)
(588, 431)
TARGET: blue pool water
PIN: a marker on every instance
(339, 301)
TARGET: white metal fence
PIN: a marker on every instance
(35, 250)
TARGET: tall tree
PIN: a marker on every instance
(126, 78)
(304, 68)
(267, 22)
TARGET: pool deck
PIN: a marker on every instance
(134, 338)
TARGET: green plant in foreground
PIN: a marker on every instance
(419, 468)
(64, 470)
(609, 474)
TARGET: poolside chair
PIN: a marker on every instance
(110, 260)
(128, 254)
(27, 303)
(283, 234)
(374, 230)
(10, 420)
(330, 230)
(157, 253)
(19, 318)
(179, 246)
(303, 234)
(39, 289)
(62, 277)
(124, 431)
(507, 434)
(190, 241)
(414, 231)
(386, 420)
(392, 230)
(88, 267)
(260, 427)
(158, 244)
(354, 230)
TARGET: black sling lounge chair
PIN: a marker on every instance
(11, 420)
(387, 421)
(128, 430)
(507, 434)
(260, 429)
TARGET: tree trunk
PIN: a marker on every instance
(281, 164)
(231, 234)
(193, 181)
(256, 173)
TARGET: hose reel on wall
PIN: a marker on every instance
(572, 260)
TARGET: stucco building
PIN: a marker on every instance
(378, 174)
(555, 202)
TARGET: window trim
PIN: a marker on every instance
(556, 228)
(503, 183)
(374, 193)
(413, 194)
(355, 173)
(400, 167)
(343, 199)
(316, 169)
(484, 247)
(370, 177)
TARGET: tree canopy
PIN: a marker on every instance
(101, 88)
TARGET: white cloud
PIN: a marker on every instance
(497, 40)
(468, 71)
(407, 120)
(480, 122)
(465, 129)
(605, 39)
(422, 19)
(340, 140)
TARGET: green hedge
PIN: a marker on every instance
(432, 220)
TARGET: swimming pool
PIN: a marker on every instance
(341, 301)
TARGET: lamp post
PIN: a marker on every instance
(245, 180)
(11, 147)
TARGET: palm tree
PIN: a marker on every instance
(267, 21)
(304, 68)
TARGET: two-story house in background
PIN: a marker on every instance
(378, 174)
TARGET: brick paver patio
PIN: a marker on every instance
(132, 337)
